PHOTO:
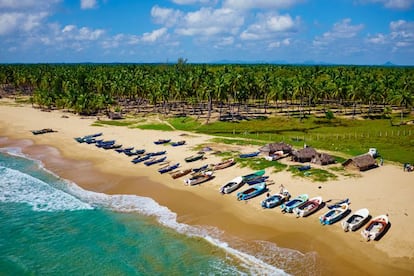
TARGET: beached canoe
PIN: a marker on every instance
(276, 199)
(252, 191)
(309, 207)
(224, 164)
(162, 141)
(335, 214)
(248, 155)
(157, 153)
(42, 131)
(338, 203)
(180, 173)
(111, 146)
(376, 228)
(199, 178)
(252, 176)
(194, 158)
(356, 220)
(134, 152)
(179, 143)
(257, 180)
(232, 185)
(90, 136)
(293, 203)
(199, 169)
(140, 159)
(169, 168)
(155, 161)
(105, 142)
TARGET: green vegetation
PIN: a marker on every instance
(260, 164)
(160, 126)
(317, 175)
(115, 123)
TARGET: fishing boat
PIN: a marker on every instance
(83, 138)
(123, 150)
(42, 131)
(338, 203)
(157, 153)
(103, 143)
(252, 191)
(356, 220)
(179, 143)
(140, 159)
(276, 199)
(134, 152)
(155, 161)
(224, 164)
(248, 155)
(162, 141)
(309, 207)
(199, 169)
(257, 180)
(180, 173)
(293, 203)
(253, 176)
(232, 185)
(112, 146)
(335, 214)
(376, 228)
(92, 140)
(194, 157)
(199, 178)
(169, 168)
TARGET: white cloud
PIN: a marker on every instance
(394, 4)
(340, 31)
(19, 21)
(277, 44)
(154, 35)
(27, 4)
(268, 25)
(165, 16)
(377, 39)
(88, 4)
(402, 33)
(191, 2)
(260, 4)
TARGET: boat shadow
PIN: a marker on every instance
(363, 224)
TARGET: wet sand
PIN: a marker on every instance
(109, 172)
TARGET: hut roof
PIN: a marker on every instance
(307, 152)
(362, 161)
(273, 147)
(324, 158)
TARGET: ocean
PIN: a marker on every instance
(52, 226)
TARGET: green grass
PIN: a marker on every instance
(114, 123)
(316, 175)
(162, 127)
(260, 164)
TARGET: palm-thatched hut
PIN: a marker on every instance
(271, 148)
(304, 155)
(323, 159)
(362, 162)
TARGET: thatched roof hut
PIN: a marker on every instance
(323, 159)
(362, 162)
(275, 147)
(304, 155)
(115, 116)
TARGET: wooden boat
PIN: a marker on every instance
(90, 136)
(162, 141)
(169, 168)
(232, 185)
(199, 178)
(157, 153)
(356, 220)
(103, 143)
(134, 152)
(179, 143)
(123, 150)
(257, 180)
(335, 214)
(111, 146)
(253, 176)
(293, 203)
(180, 173)
(376, 228)
(276, 199)
(194, 157)
(199, 169)
(42, 131)
(155, 161)
(248, 155)
(252, 191)
(140, 159)
(225, 164)
(93, 140)
(309, 207)
(339, 203)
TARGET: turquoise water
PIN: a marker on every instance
(52, 226)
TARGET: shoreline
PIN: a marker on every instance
(337, 252)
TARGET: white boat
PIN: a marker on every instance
(335, 214)
(310, 206)
(232, 185)
(356, 220)
(375, 228)
(199, 178)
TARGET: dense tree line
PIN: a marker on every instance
(90, 88)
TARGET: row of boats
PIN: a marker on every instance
(303, 206)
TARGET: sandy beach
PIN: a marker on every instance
(384, 190)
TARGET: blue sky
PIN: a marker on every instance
(293, 31)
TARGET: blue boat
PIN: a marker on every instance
(84, 138)
(338, 203)
(252, 176)
(293, 203)
(123, 150)
(169, 168)
(134, 152)
(257, 180)
(335, 214)
(248, 155)
(304, 168)
(155, 161)
(202, 168)
(111, 146)
(179, 143)
(253, 191)
(103, 143)
(156, 153)
(140, 159)
(275, 200)
(162, 141)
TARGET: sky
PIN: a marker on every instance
(361, 32)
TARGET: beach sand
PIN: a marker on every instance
(384, 190)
